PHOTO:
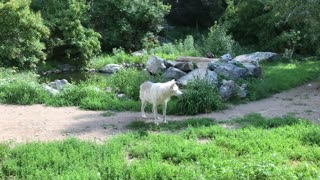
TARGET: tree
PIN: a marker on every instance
(69, 40)
(275, 24)
(21, 32)
(124, 23)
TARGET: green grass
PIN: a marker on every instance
(207, 151)
(278, 77)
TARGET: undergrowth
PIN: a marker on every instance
(198, 97)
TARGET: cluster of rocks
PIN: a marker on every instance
(222, 73)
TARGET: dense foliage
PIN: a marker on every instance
(276, 25)
(125, 23)
(21, 32)
(70, 41)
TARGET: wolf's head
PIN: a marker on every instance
(174, 88)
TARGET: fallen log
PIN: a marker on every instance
(195, 59)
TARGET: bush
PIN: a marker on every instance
(219, 42)
(128, 82)
(199, 96)
(21, 34)
(22, 92)
(184, 47)
(273, 26)
(124, 23)
(69, 40)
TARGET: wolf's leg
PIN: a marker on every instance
(165, 111)
(143, 106)
(155, 112)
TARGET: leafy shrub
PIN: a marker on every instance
(273, 26)
(21, 34)
(219, 42)
(199, 96)
(133, 20)
(128, 82)
(69, 39)
(184, 47)
(22, 92)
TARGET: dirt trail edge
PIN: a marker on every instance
(42, 123)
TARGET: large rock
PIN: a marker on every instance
(111, 68)
(173, 73)
(230, 70)
(253, 69)
(155, 65)
(200, 74)
(256, 57)
(230, 89)
(170, 63)
(184, 66)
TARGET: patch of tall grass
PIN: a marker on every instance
(200, 152)
(278, 77)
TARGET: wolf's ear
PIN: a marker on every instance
(173, 81)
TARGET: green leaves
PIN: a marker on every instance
(124, 23)
(21, 34)
(70, 40)
(274, 25)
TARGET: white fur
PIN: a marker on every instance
(157, 93)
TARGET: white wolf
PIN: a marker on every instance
(157, 93)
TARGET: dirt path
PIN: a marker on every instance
(38, 122)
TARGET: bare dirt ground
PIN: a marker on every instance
(41, 123)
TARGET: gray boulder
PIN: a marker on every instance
(253, 70)
(256, 57)
(226, 57)
(230, 70)
(184, 66)
(155, 65)
(230, 89)
(200, 74)
(111, 68)
(169, 63)
(173, 73)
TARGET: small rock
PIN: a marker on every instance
(111, 68)
(226, 57)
